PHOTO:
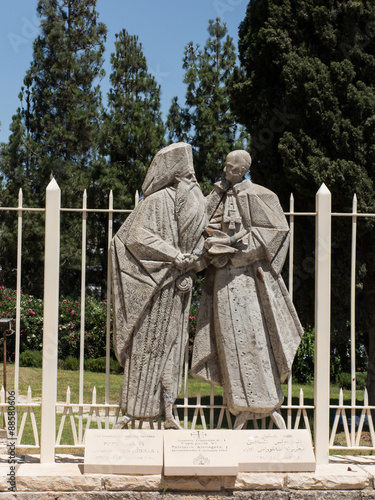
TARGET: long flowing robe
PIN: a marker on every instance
(152, 298)
(248, 331)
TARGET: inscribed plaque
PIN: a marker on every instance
(122, 451)
(275, 451)
(200, 453)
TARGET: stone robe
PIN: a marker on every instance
(248, 331)
(152, 297)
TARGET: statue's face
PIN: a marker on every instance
(235, 168)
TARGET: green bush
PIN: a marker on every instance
(303, 366)
(361, 378)
(341, 352)
(116, 367)
(32, 359)
(344, 380)
(95, 364)
(70, 326)
(31, 324)
(99, 365)
(71, 363)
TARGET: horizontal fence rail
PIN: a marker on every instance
(352, 420)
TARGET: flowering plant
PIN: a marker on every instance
(31, 324)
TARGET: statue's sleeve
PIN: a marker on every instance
(141, 263)
(265, 219)
(145, 243)
(276, 235)
(132, 289)
(154, 231)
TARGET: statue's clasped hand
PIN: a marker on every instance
(183, 261)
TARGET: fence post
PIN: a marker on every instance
(18, 303)
(322, 323)
(109, 279)
(50, 322)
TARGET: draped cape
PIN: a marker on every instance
(267, 244)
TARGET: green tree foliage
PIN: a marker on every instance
(206, 121)
(53, 133)
(133, 129)
(305, 92)
(17, 172)
(63, 116)
(132, 132)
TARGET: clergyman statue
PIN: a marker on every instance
(248, 331)
(153, 254)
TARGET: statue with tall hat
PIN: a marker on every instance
(153, 256)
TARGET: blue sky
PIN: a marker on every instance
(164, 27)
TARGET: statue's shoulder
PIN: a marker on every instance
(221, 186)
(258, 195)
(256, 189)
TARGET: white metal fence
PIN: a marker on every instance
(103, 414)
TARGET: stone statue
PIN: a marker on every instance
(152, 255)
(248, 331)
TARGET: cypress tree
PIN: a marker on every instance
(132, 132)
(65, 97)
(55, 131)
(305, 92)
(206, 121)
(133, 129)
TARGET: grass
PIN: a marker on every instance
(32, 377)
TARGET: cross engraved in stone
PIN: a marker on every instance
(232, 215)
(198, 434)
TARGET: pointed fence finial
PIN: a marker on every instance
(323, 190)
(291, 203)
(355, 203)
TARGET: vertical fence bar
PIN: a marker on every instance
(109, 276)
(18, 304)
(50, 322)
(186, 387)
(291, 245)
(212, 410)
(322, 323)
(83, 311)
(291, 263)
(352, 317)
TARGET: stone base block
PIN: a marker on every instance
(331, 477)
(343, 480)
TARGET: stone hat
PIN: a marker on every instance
(176, 160)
